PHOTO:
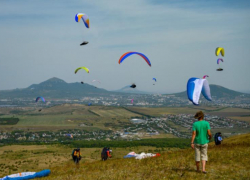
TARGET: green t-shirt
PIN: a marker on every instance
(201, 128)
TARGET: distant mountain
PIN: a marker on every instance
(216, 91)
(54, 88)
(128, 89)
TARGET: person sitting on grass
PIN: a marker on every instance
(200, 138)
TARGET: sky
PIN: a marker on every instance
(40, 40)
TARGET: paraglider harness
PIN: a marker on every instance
(75, 158)
(133, 86)
(216, 138)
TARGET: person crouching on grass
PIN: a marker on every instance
(200, 139)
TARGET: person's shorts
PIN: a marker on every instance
(200, 152)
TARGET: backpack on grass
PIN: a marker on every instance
(216, 140)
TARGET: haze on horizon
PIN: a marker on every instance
(40, 40)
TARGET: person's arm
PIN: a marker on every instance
(192, 140)
(209, 134)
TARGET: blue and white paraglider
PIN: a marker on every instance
(27, 175)
(154, 79)
(195, 87)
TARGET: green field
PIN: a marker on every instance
(76, 116)
(9, 121)
(69, 116)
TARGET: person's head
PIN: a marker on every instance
(110, 150)
(199, 115)
(78, 149)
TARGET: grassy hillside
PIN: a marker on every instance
(67, 116)
(228, 161)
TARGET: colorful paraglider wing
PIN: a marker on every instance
(206, 90)
(40, 97)
(84, 43)
(154, 79)
(204, 77)
(124, 56)
(132, 101)
(86, 69)
(96, 81)
(219, 50)
(27, 175)
(194, 88)
(218, 60)
(84, 17)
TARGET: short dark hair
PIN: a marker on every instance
(199, 115)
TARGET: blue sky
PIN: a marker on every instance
(40, 40)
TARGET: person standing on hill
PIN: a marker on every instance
(200, 138)
(106, 153)
(76, 155)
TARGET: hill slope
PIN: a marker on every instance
(228, 161)
(54, 88)
(128, 89)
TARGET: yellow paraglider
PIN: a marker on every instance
(86, 69)
(219, 50)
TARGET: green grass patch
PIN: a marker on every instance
(8, 121)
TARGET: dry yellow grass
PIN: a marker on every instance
(21, 158)
(231, 160)
(228, 161)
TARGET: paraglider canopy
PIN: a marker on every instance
(84, 43)
(219, 50)
(84, 17)
(40, 97)
(154, 79)
(218, 60)
(82, 82)
(204, 77)
(96, 81)
(195, 87)
(84, 68)
(127, 54)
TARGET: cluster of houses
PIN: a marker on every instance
(149, 100)
(179, 125)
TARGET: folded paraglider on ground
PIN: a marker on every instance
(141, 156)
(27, 175)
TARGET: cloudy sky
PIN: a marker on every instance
(40, 39)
